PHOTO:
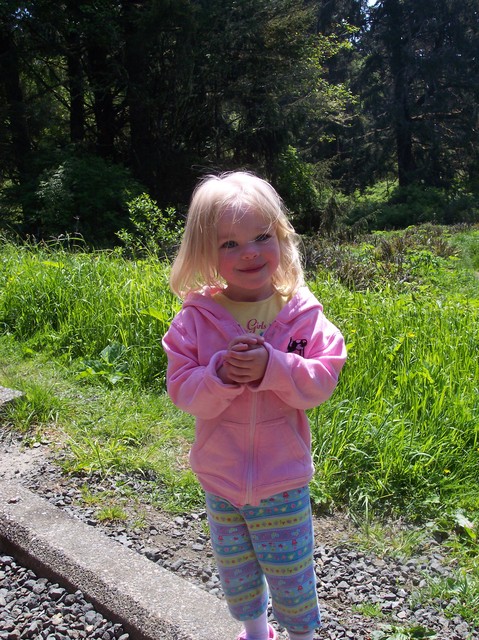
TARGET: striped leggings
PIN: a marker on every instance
(274, 541)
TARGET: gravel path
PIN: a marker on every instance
(348, 579)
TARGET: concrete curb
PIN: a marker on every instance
(150, 602)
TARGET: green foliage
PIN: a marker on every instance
(101, 432)
(35, 412)
(425, 137)
(391, 632)
(153, 232)
(368, 609)
(402, 437)
(467, 242)
(388, 206)
(111, 366)
(460, 590)
(173, 90)
(399, 435)
(407, 260)
(404, 415)
(85, 195)
(112, 513)
(306, 191)
(79, 305)
(405, 421)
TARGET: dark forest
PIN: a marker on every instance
(360, 113)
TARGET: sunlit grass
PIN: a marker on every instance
(368, 609)
(399, 436)
(76, 305)
(401, 431)
(97, 429)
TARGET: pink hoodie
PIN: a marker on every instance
(252, 440)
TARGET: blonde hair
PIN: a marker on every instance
(196, 262)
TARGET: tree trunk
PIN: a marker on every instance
(396, 44)
(142, 155)
(10, 78)
(103, 107)
(402, 124)
(76, 88)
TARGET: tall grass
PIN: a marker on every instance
(401, 433)
(99, 307)
(399, 436)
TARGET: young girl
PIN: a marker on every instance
(249, 351)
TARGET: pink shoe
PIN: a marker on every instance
(271, 634)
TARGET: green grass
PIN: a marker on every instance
(400, 435)
(403, 423)
(460, 591)
(97, 310)
(392, 632)
(368, 609)
(468, 244)
(80, 334)
(97, 429)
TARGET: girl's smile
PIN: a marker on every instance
(248, 254)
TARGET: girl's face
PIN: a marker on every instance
(248, 254)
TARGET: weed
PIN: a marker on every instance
(112, 513)
(111, 365)
(368, 609)
(460, 591)
(153, 232)
(35, 412)
(390, 632)
(392, 539)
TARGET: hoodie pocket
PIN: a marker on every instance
(281, 454)
(220, 451)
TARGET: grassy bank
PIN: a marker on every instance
(81, 335)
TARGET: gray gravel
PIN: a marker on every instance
(348, 579)
(33, 607)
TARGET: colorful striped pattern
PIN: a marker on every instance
(274, 541)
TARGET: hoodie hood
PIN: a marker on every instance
(302, 301)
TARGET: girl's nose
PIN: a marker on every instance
(249, 251)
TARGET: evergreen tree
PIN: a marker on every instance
(420, 87)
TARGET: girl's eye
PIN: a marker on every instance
(263, 237)
(229, 244)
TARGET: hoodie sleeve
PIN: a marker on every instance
(305, 382)
(193, 387)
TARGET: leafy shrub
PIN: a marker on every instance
(111, 366)
(388, 206)
(461, 206)
(84, 195)
(307, 192)
(403, 258)
(412, 205)
(153, 231)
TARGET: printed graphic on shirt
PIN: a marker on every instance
(253, 325)
(297, 346)
(254, 317)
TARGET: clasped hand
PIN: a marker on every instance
(245, 360)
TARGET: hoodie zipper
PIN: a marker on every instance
(251, 440)
(252, 431)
